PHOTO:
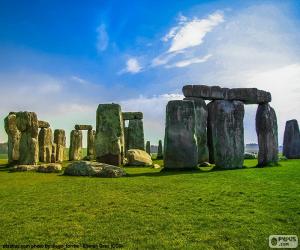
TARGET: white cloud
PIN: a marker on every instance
(185, 63)
(102, 38)
(132, 66)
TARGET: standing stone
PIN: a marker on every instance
(53, 154)
(226, 133)
(13, 137)
(135, 136)
(180, 151)
(75, 151)
(43, 124)
(45, 145)
(267, 133)
(159, 150)
(126, 138)
(109, 141)
(27, 123)
(148, 147)
(60, 141)
(91, 144)
(291, 141)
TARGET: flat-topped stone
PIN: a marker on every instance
(43, 124)
(246, 95)
(83, 127)
(132, 115)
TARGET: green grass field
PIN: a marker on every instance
(149, 209)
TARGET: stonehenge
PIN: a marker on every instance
(148, 147)
(60, 141)
(45, 144)
(159, 150)
(291, 141)
(90, 140)
(10, 124)
(75, 150)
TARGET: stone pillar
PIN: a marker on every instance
(91, 144)
(291, 141)
(53, 154)
(109, 140)
(14, 136)
(126, 148)
(226, 133)
(60, 141)
(135, 136)
(180, 151)
(267, 133)
(45, 145)
(159, 150)
(75, 150)
(27, 123)
(148, 147)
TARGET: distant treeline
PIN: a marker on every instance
(3, 148)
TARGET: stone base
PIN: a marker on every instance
(111, 159)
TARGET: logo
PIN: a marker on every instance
(283, 241)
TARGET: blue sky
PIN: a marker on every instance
(62, 58)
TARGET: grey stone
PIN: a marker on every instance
(49, 168)
(159, 150)
(75, 151)
(248, 155)
(24, 168)
(60, 141)
(95, 169)
(180, 150)
(43, 124)
(14, 136)
(267, 133)
(91, 144)
(135, 135)
(45, 144)
(148, 147)
(291, 141)
(109, 140)
(132, 115)
(137, 157)
(83, 127)
(226, 133)
(53, 153)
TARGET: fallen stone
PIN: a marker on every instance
(137, 157)
(95, 169)
(43, 124)
(49, 168)
(155, 166)
(83, 127)
(135, 135)
(205, 164)
(132, 115)
(159, 150)
(75, 151)
(45, 144)
(267, 133)
(60, 141)
(291, 141)
(23, 168)
(249, 156)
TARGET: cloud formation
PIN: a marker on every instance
(132, 66)
(102, 38)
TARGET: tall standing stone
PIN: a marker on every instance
(75, 150)
(109, 140)
(291, 141)
(267, 133)
(91, 143)
(159, 150)
(14, 135)
(60, 141)
(226, 133)
(135, 136)
(180, 151)
(45, 145)
(27, 123)
(53, 154)
(148, 147)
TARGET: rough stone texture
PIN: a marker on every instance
(135, 136)
(159, 150)
(201, 128)
(75, 151)
(91, 144)
(60, 141)
(53, 154)
(291, 141)
(27, 124)
(267, 133)
(44, 124)
(248, 155)
(148, 147)
(95, 169)
(155, 166)
(132, 115)
(14, 136)
(45, 144)
(126, 138)
(226, 133)
(109, 140)
(246, 95)
(180, 151)
(137, 157)
(49, 168)
(24, 168)
(83, 127)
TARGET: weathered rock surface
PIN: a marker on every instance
(75, 151)
(24, 168)
(49, 168)
(135, 136)
(132, 115)
(267, 133)
(53, 153)
(248, 155)
(226, 133)
(159, 150)
(180, 151)
(155, 166)
(91, 144)
(45, 144)
(137, 157)
(14, 136)
(109, 140)
(95, 169)
(148, 147)
(246, 95)
(43, 124)
(60, 141)
(83, 127)
(291, 141)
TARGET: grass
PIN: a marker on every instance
(149, 209)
